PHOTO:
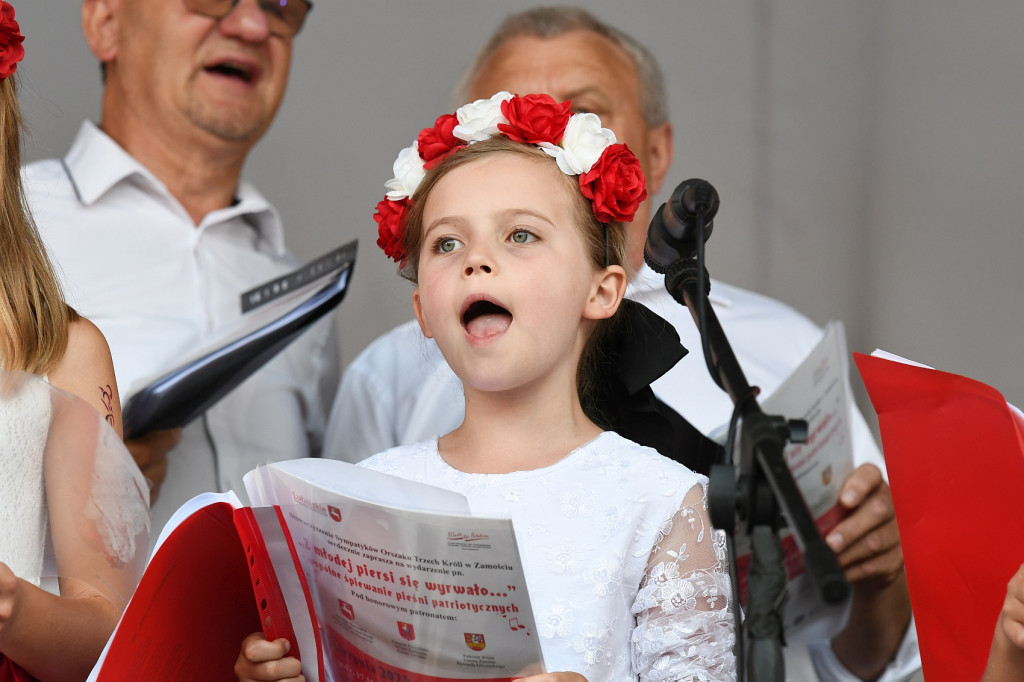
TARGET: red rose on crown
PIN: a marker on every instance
(11, 49)
(534, 119)
(438, 142)
(615, 185)
(390, 217)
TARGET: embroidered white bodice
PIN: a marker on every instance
(627, 579)
(24, 424)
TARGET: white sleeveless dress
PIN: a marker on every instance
(24, 424)
(95, 529)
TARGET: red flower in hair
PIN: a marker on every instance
(615, 185)
(438, 142)
(11, 50)
(534, 119)
(390, 217)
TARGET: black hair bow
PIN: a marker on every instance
(639, 349)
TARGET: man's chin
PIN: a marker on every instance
(231, 131)
(230, 126)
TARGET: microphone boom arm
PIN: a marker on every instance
(763, 440)
(763, 491)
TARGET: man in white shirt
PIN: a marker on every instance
(156, 237)
(400, 390)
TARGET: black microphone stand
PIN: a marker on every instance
(762, 492)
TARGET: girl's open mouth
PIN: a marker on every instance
(485, 319)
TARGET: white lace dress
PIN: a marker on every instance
(24, 425)
(73, 505)
(626, 577)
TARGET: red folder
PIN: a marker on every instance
(209, 585)
(221, 574)
(954, 451)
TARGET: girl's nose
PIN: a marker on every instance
(478, 260)
(482, 268)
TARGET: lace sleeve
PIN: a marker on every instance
(97, 502)
(684, 627)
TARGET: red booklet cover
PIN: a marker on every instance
(208, 586)
(954, 451)
(376, 613)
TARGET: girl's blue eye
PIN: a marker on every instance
(448, 244)
(523, 236)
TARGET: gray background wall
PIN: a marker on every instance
(869, 155)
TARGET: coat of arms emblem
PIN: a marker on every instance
(475, 641)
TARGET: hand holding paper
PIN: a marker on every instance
(867, 541)
(868, 545)
(261, 660)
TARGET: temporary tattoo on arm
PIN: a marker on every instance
(107, 398)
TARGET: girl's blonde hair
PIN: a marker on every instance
(34, 319)
(604, 243)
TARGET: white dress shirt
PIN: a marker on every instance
(159, 286)
(400, 390)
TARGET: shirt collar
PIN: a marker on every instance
(96, 164)
(254, 209)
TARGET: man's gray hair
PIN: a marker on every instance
(551, 22)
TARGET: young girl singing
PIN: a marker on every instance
(507, 217)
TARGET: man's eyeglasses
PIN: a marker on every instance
(285, 16)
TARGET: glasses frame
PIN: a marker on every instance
(287, 31)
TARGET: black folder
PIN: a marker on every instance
(274, 314)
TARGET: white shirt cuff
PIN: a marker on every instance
(903, 667)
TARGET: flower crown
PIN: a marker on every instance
(11, 49)
(609, 173)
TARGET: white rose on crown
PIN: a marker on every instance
(615, 189)
(582, 144)
(479, 120)
(409, 173)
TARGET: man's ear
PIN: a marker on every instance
(605, 297)
(99, 26)
(416, 306)
(659, 154)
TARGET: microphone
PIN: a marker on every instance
(672, 235)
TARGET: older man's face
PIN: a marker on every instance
(597, 76)
(185, 75)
